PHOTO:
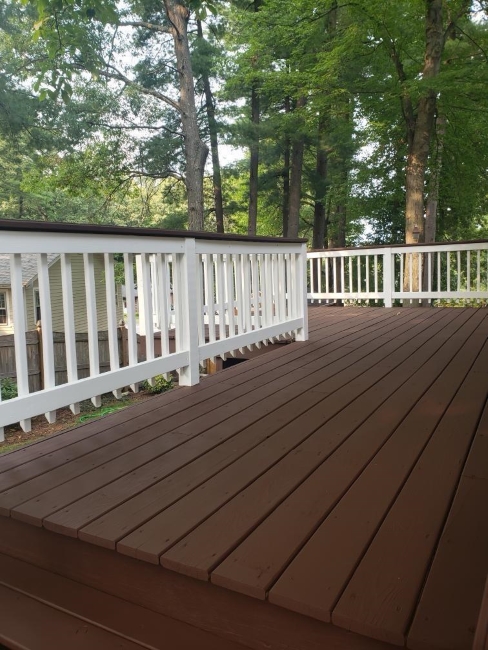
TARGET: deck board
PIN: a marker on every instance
(247, 411)
(401, 551)
(340, 479)
(454, 586)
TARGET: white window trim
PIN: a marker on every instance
(7, 307)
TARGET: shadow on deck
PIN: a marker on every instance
(329, 494)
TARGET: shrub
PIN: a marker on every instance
(161, 385)
(9, 388)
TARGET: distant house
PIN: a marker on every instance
(31, 293)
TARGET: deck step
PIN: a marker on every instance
(41, 611)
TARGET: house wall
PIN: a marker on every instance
(79, 297)
(7, 328)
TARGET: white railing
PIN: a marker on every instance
(397, 273)
(207, 296)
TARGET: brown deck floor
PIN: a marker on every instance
(344, 479)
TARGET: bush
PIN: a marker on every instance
(9, 388)
(161, 385)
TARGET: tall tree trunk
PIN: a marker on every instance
(420, 139)
(196, 151)
(296, 178)
(254, 165)
(285, 210)
(214, 144)
(434, 181)
(433, 196)
(254, 153)
(321, 165)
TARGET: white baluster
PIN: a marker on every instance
(21, 367)
(366, 259)
(220, 274)
(343, 287)
(163, 315)
(312, 277)
(351, 273)
(358, 262)
(49, 376)
(478, 271)
(113, 342)
(131, 313)
(69, 325)
(92, 324)
(376, 276)
(145, 305)
(448, 262)
(419, 255)
(438, 271)
(230, 293)
(255, 293)
(402, 272)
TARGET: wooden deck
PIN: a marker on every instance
(329, 494)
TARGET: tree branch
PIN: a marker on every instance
(118, 76)
(141, 23)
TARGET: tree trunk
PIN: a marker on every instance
(296, 179)
(254, 153)
(196, 151)
(254, 165)
(434, 182)
(420, 139)
(319, 220)
(214, 144)
(285, 210)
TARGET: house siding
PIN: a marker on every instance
(79, 297)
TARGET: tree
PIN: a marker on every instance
(86, 37)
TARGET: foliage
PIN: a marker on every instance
(9, 388)
(90, 127)
(161, 385)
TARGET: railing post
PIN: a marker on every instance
(187, 317)
(388, 278)
(302, 304)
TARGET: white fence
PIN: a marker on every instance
(397, 273)
(213, 295)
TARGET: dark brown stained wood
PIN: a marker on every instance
(28, 623)
(354, 449)
(71, 443)
(198, 553)
(157, 535)
(131, 231)
(316, 578)
(220, 612)
(108, 529)
(254, 566)
(130, 622)
(43, 506)
(449, 607)
(404, 545)
(273, 381)
(481, 634)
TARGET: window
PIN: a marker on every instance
(37, 306)
(3, 308)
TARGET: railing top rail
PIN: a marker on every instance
(381, 246)
(89, 229)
